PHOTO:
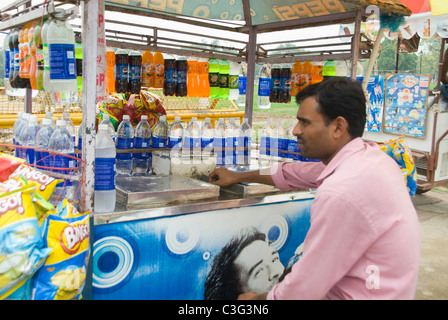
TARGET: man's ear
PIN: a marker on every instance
(340, 127)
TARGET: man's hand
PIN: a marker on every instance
(223, 177)
(252, 296)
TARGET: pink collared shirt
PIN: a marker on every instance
(363, 242)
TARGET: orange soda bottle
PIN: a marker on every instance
(204, 84)
(192, 78)
(147, 69)
(306, 73)
(316, 73)
(110, 78)
(159, 70)
(24, 71)
(33, 56)
(295, 78)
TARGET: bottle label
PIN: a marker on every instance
(213, 79)
(43, 159)
(223, 80)
(62, 61)
(148, 74)
(265, 145)
(170, 76)
(276, 84)
(16, 59)
(264, 85)
(234, 82)
(191, 142)
(122, 71)
(242, 82)
(136, 72)
(159, 142)
(206, 141)
(124, 143)
(243, 142)
(173, 141)
(141, 143)
(63, 162)
(7, 63)
(104, 174)
(181, 76)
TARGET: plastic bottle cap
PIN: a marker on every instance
(163, 118)
(106, 116)
(46, 121)
(103, 127)
(144, 117)
(176, 119)
(33, 118)
(194, 119)
(126, 117)
(61, 123)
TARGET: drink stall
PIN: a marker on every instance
(172, 235)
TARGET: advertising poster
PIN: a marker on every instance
(405, 104)
(200, 256)
(375, 103)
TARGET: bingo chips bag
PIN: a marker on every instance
(63, 275)
(22, 250)
(402, 155)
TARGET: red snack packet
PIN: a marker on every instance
(8, 164)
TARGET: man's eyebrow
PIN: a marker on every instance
(302, 119)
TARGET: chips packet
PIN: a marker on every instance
(63, 275)
(22, 249)
(8, 164)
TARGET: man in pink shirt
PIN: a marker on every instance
(363, 241)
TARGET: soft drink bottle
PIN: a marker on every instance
(110, 64)
(224, 70)
(125, 140)
(170, 84)
(24, 49)
(207, 133)
(341, 69)
(242, 84)
(316, 73)
(219, 142)
(181, 76)
(264, 85)
(142, 140)
(329, 69)
(213, 78)
(285, 84)
(105, 192)
(7, 58)
(159, 70)
(33, 58)
(265, 144)
(135, 69)
(234, 80)
(306, 73)
(30, 139)
(43, 139)
(61, 51)
(46, 57)
(16, 81)
(193, 78)
(204, 83)
(231, 143)
(61, 142)
(175, 134)
(39, 56)
(243, 153)
(147, 69)
(121, 71)
(274, 94)
(295, 77)
(78, 58)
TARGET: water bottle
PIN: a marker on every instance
(70, 125)
(49, 116)
(292, 144)
(106, 121)
(244, 143)
(105, 193)
(160, 134)
(341, 69)
(142, 140)
(224, 70)
(125, 140)
(219, 142)
(242, 83)
(21, 130)
(29, 139)
(15, 128)
(175, 134)
(62, 142)
(61, 52)
(43, 139)
(207, 134)
(234, 80)
(231, 143)
(278, 143)
(264, 85)
(265, 144)
(79, 144)
(191, 144)
(135, 71)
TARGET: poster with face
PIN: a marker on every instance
(206, 255)
(405, 104)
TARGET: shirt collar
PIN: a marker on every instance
(346, 151)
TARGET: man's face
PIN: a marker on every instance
(313, 134)
(259, 267)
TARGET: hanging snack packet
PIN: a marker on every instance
(45, 183)
(8, 164)
(63, 275)
(22, 249)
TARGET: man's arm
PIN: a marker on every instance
(223, 177)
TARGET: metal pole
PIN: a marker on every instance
(250, 74)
